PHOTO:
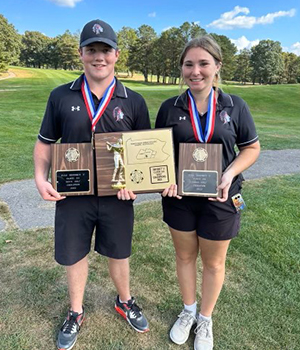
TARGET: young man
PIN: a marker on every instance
(73, 111)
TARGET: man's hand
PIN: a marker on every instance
(47, 192)
(126, 195)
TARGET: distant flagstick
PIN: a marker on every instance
(210, 121)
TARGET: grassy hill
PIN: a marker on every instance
(276, 110)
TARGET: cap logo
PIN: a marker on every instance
(97, 29)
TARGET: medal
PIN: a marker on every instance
(201, 136)
(89, 103)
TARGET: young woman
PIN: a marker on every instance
(204, 113)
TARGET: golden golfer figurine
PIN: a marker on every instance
(118, 149)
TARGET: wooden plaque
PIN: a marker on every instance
(199, 169)
(72, 168)
(141, 161)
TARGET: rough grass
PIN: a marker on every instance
(258, 307)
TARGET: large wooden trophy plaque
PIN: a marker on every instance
(140, 161)
(199, 169)
(72, 168)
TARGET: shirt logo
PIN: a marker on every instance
(77, 108)
(97, 29)
(225, 118)
(182, 117)
(118, 114)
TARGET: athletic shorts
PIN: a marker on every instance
(75, 221)
(212, 220)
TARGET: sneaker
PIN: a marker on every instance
(180, 331)
(204, 335)
(68, 333)
(133, 314)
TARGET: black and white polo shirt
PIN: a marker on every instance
(66, 116)
(234, 124)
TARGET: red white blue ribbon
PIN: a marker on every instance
(89, 103)
(201, 136)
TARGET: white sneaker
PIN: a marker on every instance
(180, 331)
(204, 335)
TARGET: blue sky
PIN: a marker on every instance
(244, 22)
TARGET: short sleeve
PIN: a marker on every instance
(50, 129)
(142, 120)
(246, 134)
(161, 118)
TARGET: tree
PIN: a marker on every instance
(243, 68)
(298, 69)
(140, 52)
(167, 50)
(158, 59)
(52, 55)
(267, 62)
(67, 51)
(228, 52)
(291, 67)
(33, 50)
(173, 42)
(191, 30)
(10, 44)
(126, 38)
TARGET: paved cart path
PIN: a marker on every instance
(29, 211)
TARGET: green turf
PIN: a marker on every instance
(23, 100)
(258, 308)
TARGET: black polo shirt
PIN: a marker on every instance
(234, 124)
(66, 116)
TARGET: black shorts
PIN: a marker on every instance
(75, 221)
(212, 220)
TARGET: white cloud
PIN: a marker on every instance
(152, 14)
(269, 18)
(295, 48)
(230, 20)
(167, 28)
(65, 3)
(243, 43)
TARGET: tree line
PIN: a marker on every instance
(142, 50)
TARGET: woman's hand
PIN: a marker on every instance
(171, 192)
(126, 195)
(224, 186)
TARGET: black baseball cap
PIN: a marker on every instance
(98, 31)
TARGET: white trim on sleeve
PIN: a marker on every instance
(250, 141)
(45, 138)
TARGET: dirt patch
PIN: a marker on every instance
(4, 75)
(21, 73)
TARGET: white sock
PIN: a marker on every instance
(205, 318)
(122, 302)
(191, 308)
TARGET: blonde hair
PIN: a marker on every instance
(207, 43)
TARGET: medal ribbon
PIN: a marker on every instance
(210, 119)
(89, 103)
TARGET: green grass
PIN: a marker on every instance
(258, 308)
(23, 100)
(259, 305)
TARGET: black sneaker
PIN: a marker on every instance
(68, 333)
(133, 314)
